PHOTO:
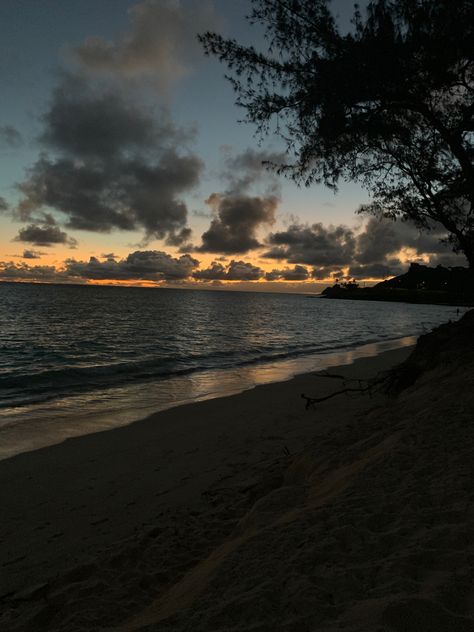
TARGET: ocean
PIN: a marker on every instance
(76, 359)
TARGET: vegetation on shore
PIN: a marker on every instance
(421, 284)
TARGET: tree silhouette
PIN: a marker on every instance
(389, 104)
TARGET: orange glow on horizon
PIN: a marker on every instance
(58, 257)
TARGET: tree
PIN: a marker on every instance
(389, 104)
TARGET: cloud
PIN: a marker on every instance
(141, 265)
(378, 240)
(242, 171)
(446, 259)
(160, 46)
(276, 252)
(237, 219)
(10, 137)
(32, 254)
(313, 245)
(321, 273)
(151, 265)
(48, 234)
(23, 272)
(237, 213)
(298, 273)
(377, 270)
(372, 252)
(115, 165)
(85, 122)
(235, 271)
(4, 206)
(382, 238)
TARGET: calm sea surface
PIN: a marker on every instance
(79, 358)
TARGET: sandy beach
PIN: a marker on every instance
(251, 513)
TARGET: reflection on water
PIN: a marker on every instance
(32, 427)
(77, 359)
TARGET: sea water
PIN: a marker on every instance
(76, 359)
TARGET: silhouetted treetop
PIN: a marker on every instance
(390, 103)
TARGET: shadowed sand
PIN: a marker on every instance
(250, 513)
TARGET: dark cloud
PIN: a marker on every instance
(141, 265)
(4, 206)
(245, 169)
(48, 234)
(237, 214)
(10, 138)
(379, 239)
(235, 271)
(313, 245)
(23, 272)
(242, 271)
(32, 254)
(321, 273)
(160, 46)
(151, 265)
(377, 270)
(233, 230)
(369, 253)
(277, 252)
(446, 259)
(180, 238)
(89, 124)
(115, 166)
(216, 271)
(297, 273)
(382, 238)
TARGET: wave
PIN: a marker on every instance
(29, 388)
(48, 352)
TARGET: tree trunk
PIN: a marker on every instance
(466, 245)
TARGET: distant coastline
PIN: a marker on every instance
(419, 297)
(420, 285)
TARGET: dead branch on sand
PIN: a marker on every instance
(364, 386)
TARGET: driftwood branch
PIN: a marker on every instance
(365, 386)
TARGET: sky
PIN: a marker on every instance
(122, 161)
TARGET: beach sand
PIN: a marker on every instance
(250, 513)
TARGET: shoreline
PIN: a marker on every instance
(408, 297)
(78, 504)
(38, 430)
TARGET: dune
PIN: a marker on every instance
(251, 513)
